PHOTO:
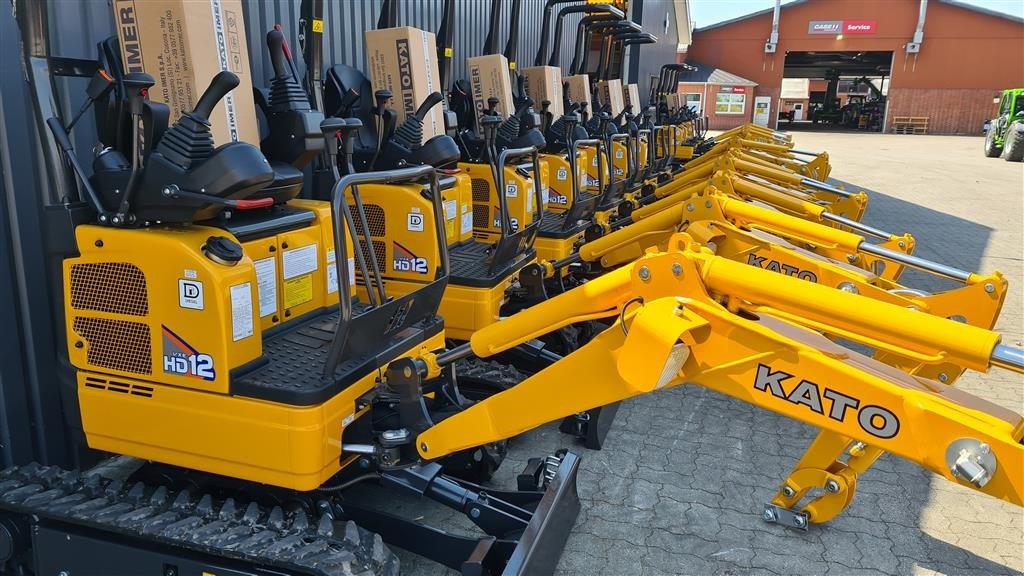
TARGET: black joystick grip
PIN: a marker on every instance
(275, 45)
(492, 104)
(137, 85)
(382, 97)
(330, 128)
(136, 81)
(224, 82)
(433, 99)
(348, 134)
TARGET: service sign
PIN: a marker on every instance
(832, 27)
(732, 89)
(837, 27)
(859, 26)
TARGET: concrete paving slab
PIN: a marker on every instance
(680, 483)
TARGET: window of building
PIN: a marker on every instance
(729, 103)
(693, 102)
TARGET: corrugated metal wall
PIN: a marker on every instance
(658, 18)
(345, 22)
(32, 416)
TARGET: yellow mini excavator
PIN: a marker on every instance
(237, 351)
(220, 342)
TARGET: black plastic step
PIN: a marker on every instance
(470, 265)
(296, 355)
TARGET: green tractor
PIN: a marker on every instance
(1005, 134)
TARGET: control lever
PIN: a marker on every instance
(275, 45)
(602, 123)
(489, 126)
(224, 82)
(137, 85)
(331, 128)
(410, 134)
(382, 97)
(492, 106)
(545, 114)
(347, 133)
(386, 125)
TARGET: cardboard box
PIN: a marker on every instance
(631, 94)
(183, 44)
(611, 95)
(545, 83)
(488, 76)
(577, 88)
(403, 60)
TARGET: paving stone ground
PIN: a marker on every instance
(680, 483)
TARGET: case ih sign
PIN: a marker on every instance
(836, 27)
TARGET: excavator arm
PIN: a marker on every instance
(684, 316)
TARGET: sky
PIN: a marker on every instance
(708, 12)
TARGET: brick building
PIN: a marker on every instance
(942, 60)
(726, 99)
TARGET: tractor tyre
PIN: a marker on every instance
(1013, 143)
(992, 150)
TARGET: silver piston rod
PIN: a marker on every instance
(819, 185)
(916, 262)
(1008, 357)
(859, 227)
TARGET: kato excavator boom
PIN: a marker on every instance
(686, 316)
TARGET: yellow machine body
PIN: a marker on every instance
(519, 194)
(405, 245)
(558, 196)
(156, 340)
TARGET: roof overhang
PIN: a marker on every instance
(684, 25)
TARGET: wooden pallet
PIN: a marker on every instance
(910, 124)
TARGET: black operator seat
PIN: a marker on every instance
(186, 158)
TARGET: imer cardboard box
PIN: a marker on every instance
(544, 83)
(631, 94)
(403, 61)
(577, 89)
(488, 76)
(611, 95)
(183, 44)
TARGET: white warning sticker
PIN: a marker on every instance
(332, 272)
(451, 209)
(266, 285)
(467, 223)
(299, 261)
(511, 190)
(241, 311)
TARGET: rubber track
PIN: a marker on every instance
(247, 531)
